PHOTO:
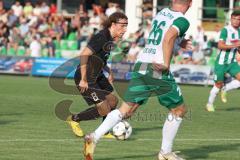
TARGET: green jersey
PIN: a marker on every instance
(229, 35)
(166, 18)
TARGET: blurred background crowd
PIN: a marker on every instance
(37, 30)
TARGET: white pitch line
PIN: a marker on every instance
(192, 139)
(144, 139)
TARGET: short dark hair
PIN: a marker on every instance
(113, 18)
(236, 13)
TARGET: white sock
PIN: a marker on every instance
(232, 85)
(169, 132)
(111, 120)
(213, 94)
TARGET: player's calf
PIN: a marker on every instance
(180, 111)
(112, 100)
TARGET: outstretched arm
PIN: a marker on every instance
(83, 62)
(168, 44)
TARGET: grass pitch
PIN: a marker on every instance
(30, 130)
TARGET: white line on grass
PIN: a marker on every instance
(143, 139)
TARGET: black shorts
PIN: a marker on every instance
(97, 91)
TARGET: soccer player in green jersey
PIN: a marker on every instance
(228, 44)
(151, 76)
(234, 84)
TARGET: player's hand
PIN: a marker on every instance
(237, 44)
(238, 56)
(83, 85)
(159, 67)
(111, 78)
(131, 111)
(186, 44)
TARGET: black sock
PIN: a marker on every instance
(88, 114)
(104, 117)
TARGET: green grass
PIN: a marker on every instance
(30, 130)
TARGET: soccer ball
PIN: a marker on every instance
(122, 130)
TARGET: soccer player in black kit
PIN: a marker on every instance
(92, 84)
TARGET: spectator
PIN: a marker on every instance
(147, 9)
(37, 11)
(206, 48)
(84, 34)
(24, 28)
(3, 16)
(82, 6)
(111, 9)
(32, 20)
(45, 10)
(84, 18)
(199, 38)
(133, 52)
(75, 21)
(95, 21)
(97, 9)
(14, 38)
(139, 36)
(35, 47)
(1, 5)
(51, 47)
(65, 29)
(147, 30)
(82, 9)
(17, 9)
(3, 29)
(58, 29)
(186, 56)
(198, 56)
(28, 9)
(12, 19)
(53, 8)
(28, 38)
(3, 34)
(43, 25)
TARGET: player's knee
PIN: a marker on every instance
(132, 110)
(125, 109)
(104, 108)
(113, 102)
(180, 111)
(238, 76)
(219, 85)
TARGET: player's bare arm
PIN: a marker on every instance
(168, 44)
(222, 45)
(84, 59)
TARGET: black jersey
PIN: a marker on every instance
(101, 45)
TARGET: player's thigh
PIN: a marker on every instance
(112, 100)
(173, 98)
(235, 70)
(158, 87)
(103, 83)
(137, 90)
(179, 110)
(219, 73)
